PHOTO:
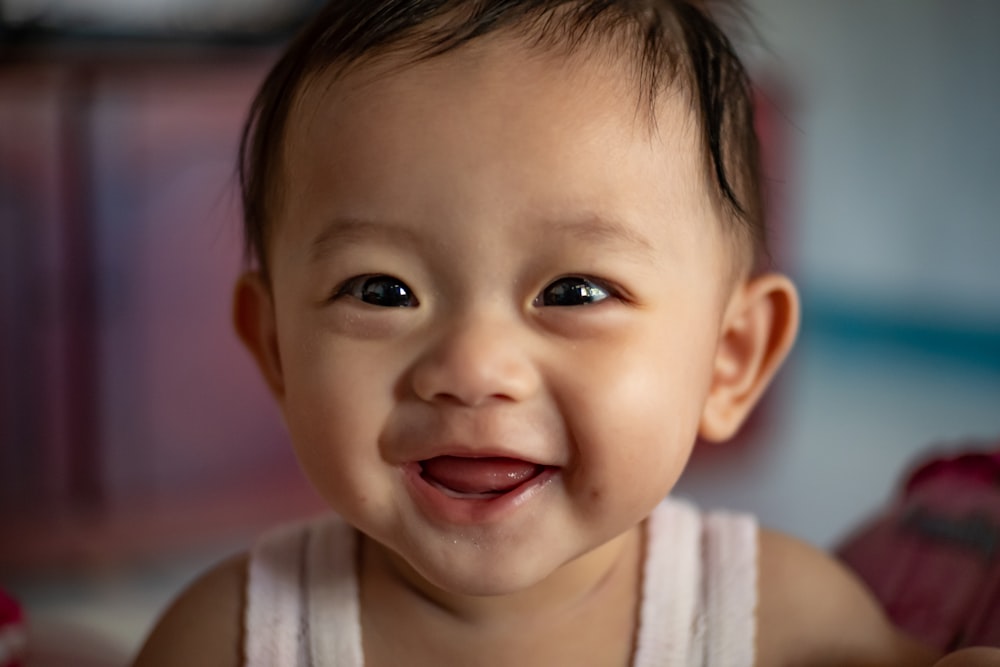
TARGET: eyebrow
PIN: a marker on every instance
(346, 231)
(598, 230)
(588, 229)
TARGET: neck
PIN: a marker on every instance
(576, 583)
(594, 597)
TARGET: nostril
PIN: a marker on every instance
(474, 364)
(467, 387)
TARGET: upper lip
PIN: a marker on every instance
(475, 452)
(422, 436)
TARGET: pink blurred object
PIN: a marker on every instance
(933, 557)
(13, 638)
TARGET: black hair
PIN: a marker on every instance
(670, 39)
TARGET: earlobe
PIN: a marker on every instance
(254, 320)
(758, 331)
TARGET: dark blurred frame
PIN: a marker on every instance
(59, 28)
(57, 501)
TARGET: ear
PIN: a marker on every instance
(254, 320)
(758, 330)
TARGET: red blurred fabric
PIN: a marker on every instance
(933, 556)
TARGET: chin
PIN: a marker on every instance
(478, 585)
(482, 575)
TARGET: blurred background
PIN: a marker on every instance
(138, 445)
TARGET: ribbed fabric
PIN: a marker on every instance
(671, 587)
(699, 593)
(730, 602)
(699, 589)
(273, 609)
(302, 598)
(334, 620)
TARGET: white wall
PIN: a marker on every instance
(895, 187)
(893, 210)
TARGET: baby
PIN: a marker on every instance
(509, 263)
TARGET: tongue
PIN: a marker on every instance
(478, 475)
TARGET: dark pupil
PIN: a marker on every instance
(386, 292)
(572, 292)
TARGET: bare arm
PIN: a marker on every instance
(971, 657)
(813, 611)
(203, 626)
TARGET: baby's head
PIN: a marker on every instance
(657, 48)
(506, 272)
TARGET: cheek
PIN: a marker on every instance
(636, 417)
(334, 413)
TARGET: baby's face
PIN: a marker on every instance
(498, 297)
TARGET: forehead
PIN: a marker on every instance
(490, 68)
(548, 130)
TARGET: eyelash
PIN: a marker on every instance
(580, 283)
(349, 287)
(355, 286)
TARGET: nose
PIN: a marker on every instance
(475, 361)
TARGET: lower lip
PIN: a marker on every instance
(437, 505)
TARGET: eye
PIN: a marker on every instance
(572, 291)
(381, 291)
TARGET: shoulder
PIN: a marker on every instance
(981, 656)
(812, 610)
(204, 624)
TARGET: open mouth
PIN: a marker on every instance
(473, 478)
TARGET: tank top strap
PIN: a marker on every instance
(301, 606)
(671, 583)
(730, 589)
(273, 606)
(334, 609)
(699, 591)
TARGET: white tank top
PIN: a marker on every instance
(699, 593)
